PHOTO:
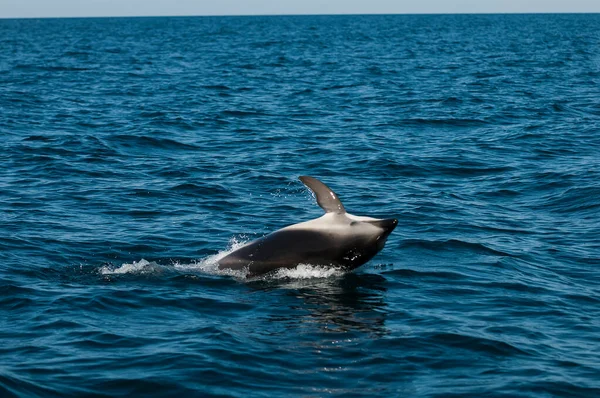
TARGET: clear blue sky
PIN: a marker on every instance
(80, 8)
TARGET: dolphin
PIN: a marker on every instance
(337, 239)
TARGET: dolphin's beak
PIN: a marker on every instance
(388, 225)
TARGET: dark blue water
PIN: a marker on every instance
(134, 152)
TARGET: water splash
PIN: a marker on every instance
(306, 271)
(137, 267)
(210, 265)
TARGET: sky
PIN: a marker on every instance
(95, 8)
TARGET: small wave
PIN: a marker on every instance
(451, 101)
(306, 91)
(15, 297)
(409, 273)
(150, 142)
(13, 385)
(572, 200)
(474, 171)
(218, 87)
(455, 122)
(477, 344)
(207, 190)
(43, 138)
(48, 68)
(154, 114)
(500, 193)
(453, 244)
(340, 86)
(235, 113)
(77, 53)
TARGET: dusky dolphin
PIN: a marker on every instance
(337, 239)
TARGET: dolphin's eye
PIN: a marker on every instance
(353, 223)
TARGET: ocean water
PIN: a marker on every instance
(135, 152)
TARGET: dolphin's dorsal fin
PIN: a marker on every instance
(326, 198)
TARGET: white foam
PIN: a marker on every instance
(137, 267)
(210, 264)
(306, 271)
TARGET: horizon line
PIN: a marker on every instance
(309, 14)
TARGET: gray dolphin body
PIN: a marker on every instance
(336, 239)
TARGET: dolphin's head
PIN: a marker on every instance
(376, 229)
(361, 237)
(367, 236)
(385, 227)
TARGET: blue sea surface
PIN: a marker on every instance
(136, 151)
